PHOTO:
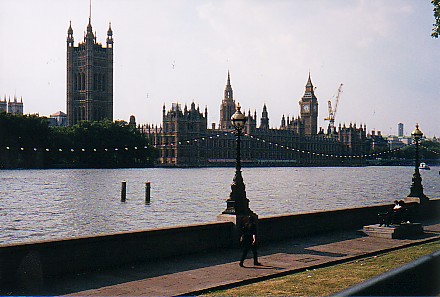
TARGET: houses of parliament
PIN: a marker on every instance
(184, 138)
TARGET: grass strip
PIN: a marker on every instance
(332, 279)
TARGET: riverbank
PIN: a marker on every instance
(36, 264)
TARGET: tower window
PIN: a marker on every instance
(95, 82)
(75, 81)
(83, 81)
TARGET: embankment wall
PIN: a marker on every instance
(306, 224)
(32, 264)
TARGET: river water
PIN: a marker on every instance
(52, 204)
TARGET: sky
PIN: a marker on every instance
(181, 50)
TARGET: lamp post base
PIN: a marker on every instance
(237, 204)
(416, 189)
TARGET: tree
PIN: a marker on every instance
(20, 136)
(28, 142)
(436, 28)
(103, 144)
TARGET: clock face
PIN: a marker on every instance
(306, 108)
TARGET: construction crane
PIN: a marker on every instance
(332, 111)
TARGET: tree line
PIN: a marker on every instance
(27, 141)
(428, 151)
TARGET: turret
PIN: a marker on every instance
(109, 36)
(90, 37)
(70, 35)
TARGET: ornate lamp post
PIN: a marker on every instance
(238, 204)
(416, 186)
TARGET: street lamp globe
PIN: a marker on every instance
(238, 119)
(417, 134)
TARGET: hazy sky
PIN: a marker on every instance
(180, 50)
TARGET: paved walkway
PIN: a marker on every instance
(219, 269)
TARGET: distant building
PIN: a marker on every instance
(400, 130)
(58, 119)
(13, 107)
(406, 140)
(394, 142)
(89, 78)
(132, 121)
(185, 140)
(3, 105)
(378, 143)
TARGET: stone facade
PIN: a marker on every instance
(89, 78)
(14, 106)
(185, 140)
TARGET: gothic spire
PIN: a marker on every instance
(228, 89)
(264, 121)
(89, 26)
(309, 85)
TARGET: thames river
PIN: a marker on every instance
(52, 204)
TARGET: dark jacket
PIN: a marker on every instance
(248, 231)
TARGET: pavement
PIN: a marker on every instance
(218, 269)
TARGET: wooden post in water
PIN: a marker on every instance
(124, 191)
(147, 192)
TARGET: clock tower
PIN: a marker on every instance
(309, 109)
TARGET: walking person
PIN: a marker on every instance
(248, 240)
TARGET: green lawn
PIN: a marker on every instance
(333, 279)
